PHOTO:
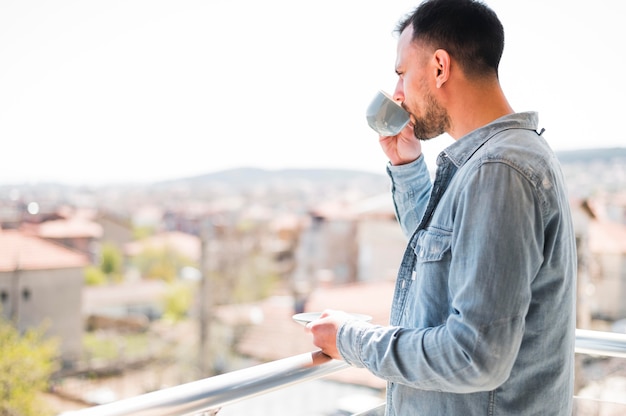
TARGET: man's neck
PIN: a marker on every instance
(479, 105)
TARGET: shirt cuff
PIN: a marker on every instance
(350, 340)
(404, 177)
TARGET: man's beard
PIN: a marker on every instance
(434, 123)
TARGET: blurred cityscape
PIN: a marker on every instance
(156, 285)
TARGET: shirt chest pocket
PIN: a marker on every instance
(432, 245)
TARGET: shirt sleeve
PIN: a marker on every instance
(496, 252)
(410, 187)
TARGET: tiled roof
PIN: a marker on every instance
(97, 298)
(19, 251)
(273, 335)
(186, 244)
(607, 237)
(71, 228)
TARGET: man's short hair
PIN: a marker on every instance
(467, 29)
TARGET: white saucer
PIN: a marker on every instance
(306, 317)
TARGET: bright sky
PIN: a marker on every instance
(109, 91)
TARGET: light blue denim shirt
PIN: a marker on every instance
(483, 315)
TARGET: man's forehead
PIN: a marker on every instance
(406, 36)
(407, 46)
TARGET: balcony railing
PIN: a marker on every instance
(205, 397)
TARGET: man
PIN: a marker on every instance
(483, 315)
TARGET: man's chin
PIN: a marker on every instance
(424, 137)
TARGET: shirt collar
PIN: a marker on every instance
(461, 150)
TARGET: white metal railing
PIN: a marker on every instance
(606, 344)
(208, 395)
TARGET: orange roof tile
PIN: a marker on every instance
(607, 237)
(186, 244)
(19, 251)
(72, 228)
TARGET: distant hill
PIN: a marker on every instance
(592, 155)
(592, 171)
(247, 177)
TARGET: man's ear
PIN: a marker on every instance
(441, 60)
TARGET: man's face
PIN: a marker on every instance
(416, 78)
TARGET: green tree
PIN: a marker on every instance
(111, 261)
(94, 276)
(26, 363)
(161, 263)
(142, 232)
(110, 268)
(177, 301)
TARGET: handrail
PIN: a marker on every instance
(606, 344)
(215, 392)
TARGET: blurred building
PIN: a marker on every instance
(602, 261)
(41, 284)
